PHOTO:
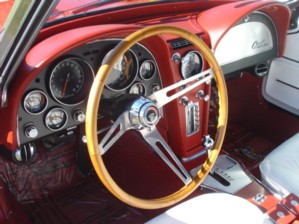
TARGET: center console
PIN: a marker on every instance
(228, 176)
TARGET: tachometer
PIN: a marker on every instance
(70, 81)
(124, 72)
(192, 63)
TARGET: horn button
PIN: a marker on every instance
(144, 113)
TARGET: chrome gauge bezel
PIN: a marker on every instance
(49, 113)
(28, 95)
(153, 86)
(135, 84)
(152, 72)
(134, 75)
(201, 66)
(87, 82)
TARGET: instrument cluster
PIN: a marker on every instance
(56, 99)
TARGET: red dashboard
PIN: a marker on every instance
(80, 38)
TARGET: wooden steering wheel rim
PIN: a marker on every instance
(92, 112)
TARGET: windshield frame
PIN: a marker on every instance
(34, 17)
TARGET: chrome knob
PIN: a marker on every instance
(200, 94)
(79, 116)
(184, 101)
(24, 154)
(176, 57)
(31, 131)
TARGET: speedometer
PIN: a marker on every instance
(70, 81)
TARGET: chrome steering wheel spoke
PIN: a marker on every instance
(155, 140)
(119, 127)
(162, 97)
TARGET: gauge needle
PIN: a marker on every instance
(65, 84)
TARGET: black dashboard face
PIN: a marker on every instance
(56, 99)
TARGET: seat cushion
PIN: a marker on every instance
(280, 169)
(213, 208)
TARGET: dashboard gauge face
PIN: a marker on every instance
(137, 88)
(192, 64)
(70, 81)
(154, 88)
(35, 102)
(123, 73)
(56, 119)
(147, 69)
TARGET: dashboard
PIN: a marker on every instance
(56, 99)
(52, 86)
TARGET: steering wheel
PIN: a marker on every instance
(144, 114)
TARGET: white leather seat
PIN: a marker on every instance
(213, 208)
(280, 169)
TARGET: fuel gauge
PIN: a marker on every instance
(147, 70)
(138, 88)
(35, 102)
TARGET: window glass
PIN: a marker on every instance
(13, 14)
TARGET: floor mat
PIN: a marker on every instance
(86, 202)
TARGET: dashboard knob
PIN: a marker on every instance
(31, 131)
(184, 101)
(79, 116)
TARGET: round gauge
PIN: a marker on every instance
(56, 119)
(137, 88)
(35, 102)
(154, 88)
(70, 81)
(147, 69)
(192, 64)
(123, 73)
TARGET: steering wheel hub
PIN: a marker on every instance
(144, 113)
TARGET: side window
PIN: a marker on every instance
(12, 16)
(5, 7)
(20, 25)
(294, 21)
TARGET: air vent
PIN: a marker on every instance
(261, 69)
(179, 43)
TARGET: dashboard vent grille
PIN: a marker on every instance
(261, 69)
(179, 43)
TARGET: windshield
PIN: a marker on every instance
(67, 8)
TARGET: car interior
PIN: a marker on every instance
(155, 112)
